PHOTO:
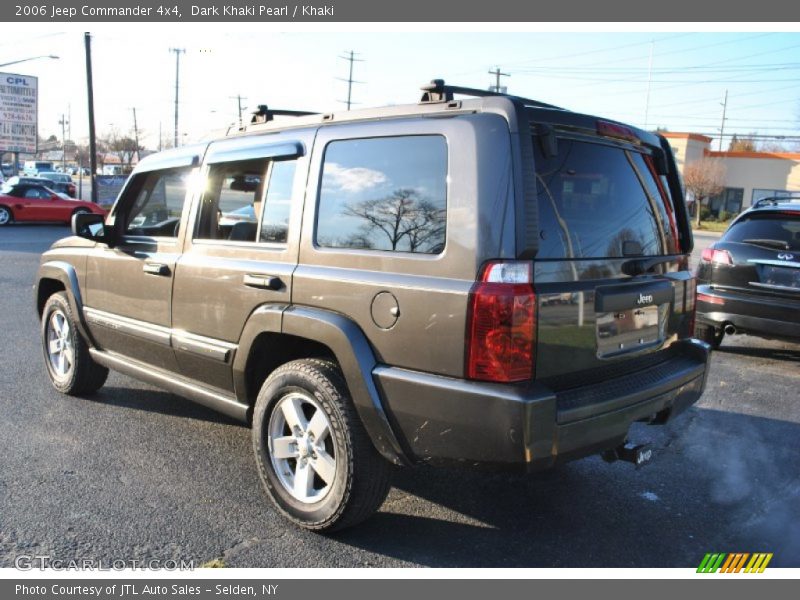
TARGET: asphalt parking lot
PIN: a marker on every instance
(137, 473)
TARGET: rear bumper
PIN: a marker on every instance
(445, 420)
(774, 317)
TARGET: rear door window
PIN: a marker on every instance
(386, 194)
(601, 201)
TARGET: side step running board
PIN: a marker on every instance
(222, 403)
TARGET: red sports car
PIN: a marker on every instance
(36, 202)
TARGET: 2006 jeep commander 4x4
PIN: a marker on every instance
(486, 280)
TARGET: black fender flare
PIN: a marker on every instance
(352, 351)
(65, 273)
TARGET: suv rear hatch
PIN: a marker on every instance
(611, 273)
(759, 255)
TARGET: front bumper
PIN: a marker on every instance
(445, 420)
(768, 316)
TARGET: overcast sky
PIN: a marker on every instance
(599, 73)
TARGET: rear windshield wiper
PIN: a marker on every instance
(780, 244)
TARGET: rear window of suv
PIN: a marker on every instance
(774, 231)
(593, 198)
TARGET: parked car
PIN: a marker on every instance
(749, 280)
(391, 299)
(62, 182)
(32, 201)
(32, 168)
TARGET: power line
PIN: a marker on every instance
(498, 74)
(350, 81)
(239, 98)
(136, 133)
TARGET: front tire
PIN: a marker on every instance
(78, 211)
(66, 355)
(316, 461)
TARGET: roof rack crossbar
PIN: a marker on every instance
(438, 91)
(775, 200)
(264, 114)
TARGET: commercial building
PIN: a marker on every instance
(749, 176)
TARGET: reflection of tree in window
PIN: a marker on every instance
(402, 221)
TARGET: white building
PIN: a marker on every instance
(749, 176)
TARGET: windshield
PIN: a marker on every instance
(770, 230)
(599, 201)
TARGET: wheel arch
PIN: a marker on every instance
(304, 332)
(58, 276)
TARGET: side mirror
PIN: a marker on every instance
(91, 227)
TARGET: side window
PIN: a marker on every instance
(384, 194)
(247, 201)
(160, 195)
(278, 203)
(232, 201)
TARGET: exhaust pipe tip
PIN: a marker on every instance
(730, 329)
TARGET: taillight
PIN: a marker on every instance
(501, 325)
(710, 299)
(720, 257)
(690, 303)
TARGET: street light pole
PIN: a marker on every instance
(87, 38)
(178, 52)
(22, 60)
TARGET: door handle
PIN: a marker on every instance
(156, 269)
(265, 282)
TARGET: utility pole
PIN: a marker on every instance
(239, 99)
(87, 38)
(649, 82)
(160, 139)
(350, 81)
(178, 52)
(63, 122)
(722, 125)
(135, 133)
(498, 74)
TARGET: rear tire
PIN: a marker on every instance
(316, 460)
(6, 217)
(71, 368)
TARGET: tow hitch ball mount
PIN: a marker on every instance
(638, 455)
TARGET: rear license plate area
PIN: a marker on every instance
(629, 330)
(786, 277)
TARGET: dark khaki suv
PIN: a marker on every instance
(485, 280)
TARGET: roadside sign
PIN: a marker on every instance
(19, 95)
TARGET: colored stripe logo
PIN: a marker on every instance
(737, 562)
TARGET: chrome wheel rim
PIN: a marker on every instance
(60, 352)
(301, 447)
(4, 216)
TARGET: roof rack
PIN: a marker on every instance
(776, 200)
(438, 91)
(264, 114)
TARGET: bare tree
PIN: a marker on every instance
(123, 147)
(743, 144)
(402, 217)
(704, 178)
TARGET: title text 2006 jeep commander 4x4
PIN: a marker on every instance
(486, 280)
